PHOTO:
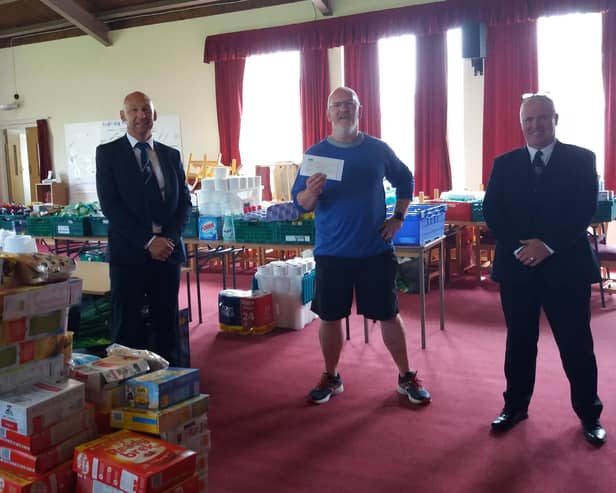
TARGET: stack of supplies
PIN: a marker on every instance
(167, 403)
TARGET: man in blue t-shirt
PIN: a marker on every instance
(353, 249)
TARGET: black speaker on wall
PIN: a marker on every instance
(474, 40)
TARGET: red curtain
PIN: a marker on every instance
(432, 167)
(609, 86)
(511, 69)
(313, 91)
(229, 84)
(361, 72)
(417, 19)
(44, 148)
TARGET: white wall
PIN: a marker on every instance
(79, 80)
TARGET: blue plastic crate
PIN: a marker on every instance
(606, 212)
(308, 287)
(423, 223)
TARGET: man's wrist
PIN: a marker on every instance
(147, 245)
(399, 216)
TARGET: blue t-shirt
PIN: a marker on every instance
(350, 212)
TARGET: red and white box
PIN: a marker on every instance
(189, 485)
(192, 434)
(18, 460)
(58, 480)
(37, 443)
(134, 462)
(30, 409)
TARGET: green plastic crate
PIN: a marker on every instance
(191, 229)
(41, 225)
(255, 231)
(72, 226)
(296, 232)
(99, 225)
(13, 222)
(606, 212)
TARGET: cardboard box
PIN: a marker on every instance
(157, 421)
(17, 460)
(58, 480)
(133, 462)
(30, 409)
(210, 228)
(52, 435)
(109, 398)
(193, 434)
(87, 485)
(14, 355)
(31, 301)
(50, 369)
(108, 372)
(162, 388)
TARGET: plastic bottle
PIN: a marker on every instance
(227, 229)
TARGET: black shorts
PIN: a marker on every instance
(372, 279)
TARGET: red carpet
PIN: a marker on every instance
(267, 439)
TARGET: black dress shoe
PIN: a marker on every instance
(594, 432)
(508, 419)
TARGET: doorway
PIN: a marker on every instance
(19, 158)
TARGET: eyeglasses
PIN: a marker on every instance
(343, 104)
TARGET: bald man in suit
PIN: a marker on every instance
(142, 191)
(539, 203)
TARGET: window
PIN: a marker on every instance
(397, 86)
(570, 70)
(455, 109)
(271, 129)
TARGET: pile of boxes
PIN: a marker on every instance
(43, 415)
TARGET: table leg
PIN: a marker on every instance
(198, 278)
(441, 282)
(422, 298)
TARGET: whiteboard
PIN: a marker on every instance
(81, 140)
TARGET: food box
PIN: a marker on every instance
(31, 301)
(108, 372)
(157, 421)
(30, 409)
(88, 485)
(51, 435)
(58, 480)
(50, 369)
(134, 463)
(13, 355)
(108, 398)
(15, 459)
(193, 434)
(162, 388)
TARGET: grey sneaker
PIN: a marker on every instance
(328, 386)
(411, 386)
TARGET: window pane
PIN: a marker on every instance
(455, 108)
(570, 70)
(397, 83)
(271, 128)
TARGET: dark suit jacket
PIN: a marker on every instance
(122, 196)
(556, 208)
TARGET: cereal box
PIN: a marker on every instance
(87, 485)
(192, 434)
(107, 372)
(58, 480)
(14, 459)
(162, 388)
(157, 421)
(30, 409)
(80, 420)
(50, 369)
(133, 462)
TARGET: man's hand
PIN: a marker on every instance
(309, 196)
(161, 248)
(533, 253)
(389, 228)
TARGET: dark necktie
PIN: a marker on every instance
(538, 163)
(146, 165)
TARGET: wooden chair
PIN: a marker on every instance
(195, 172)
(606, 255)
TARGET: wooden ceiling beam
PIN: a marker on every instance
(84, 20)
(323, 7)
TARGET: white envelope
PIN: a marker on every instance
(331, 167)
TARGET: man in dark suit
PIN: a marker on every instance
(539, 203)
(142, 191)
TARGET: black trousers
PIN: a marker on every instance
(567, 309)
(155, 285)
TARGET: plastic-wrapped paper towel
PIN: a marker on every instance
(284, 211)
